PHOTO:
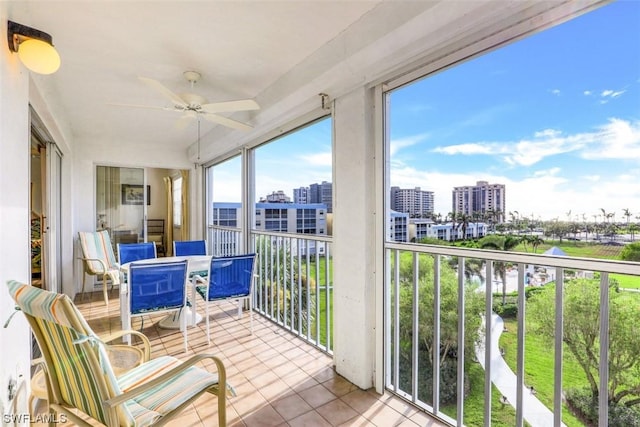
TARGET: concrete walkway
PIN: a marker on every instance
(535, 412)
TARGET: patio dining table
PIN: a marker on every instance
(197, 263)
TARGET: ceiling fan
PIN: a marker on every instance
(194, 106)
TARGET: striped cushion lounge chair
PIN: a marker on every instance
(80, 375)
(98, 259)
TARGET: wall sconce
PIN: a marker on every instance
(35, 48)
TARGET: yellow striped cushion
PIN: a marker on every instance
(152, 405)
(98, 246)
(55, 316)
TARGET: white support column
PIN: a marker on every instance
(354, 261)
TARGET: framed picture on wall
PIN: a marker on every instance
(133, 194)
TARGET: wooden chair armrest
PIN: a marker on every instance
(136, 391)
(145, 341)
(102, 263)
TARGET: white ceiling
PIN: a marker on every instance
(281, 53)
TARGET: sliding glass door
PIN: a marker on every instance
(121, 200)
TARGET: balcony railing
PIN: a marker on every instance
(294, 284)
(224, 241)
(442, 357)
(294, 287)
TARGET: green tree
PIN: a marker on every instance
(448, 346)
(463, 224)
(631, 252)
(581, 335)
(500, 243)
(535, 242)
(628, 214)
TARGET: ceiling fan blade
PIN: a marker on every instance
(159, 87)
(226, 121)
(239, 105)
(149, 107)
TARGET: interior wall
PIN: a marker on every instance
(14, 218)
(158, 206)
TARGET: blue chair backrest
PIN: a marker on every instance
(231, 276)
(189, 247)
(129, 252)
(157, 286)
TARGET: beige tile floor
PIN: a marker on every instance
(280, 379)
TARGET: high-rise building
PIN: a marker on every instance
(301, 195)
(413, 201)
(315, 193)
(482, 198)
(322, 193)
(276, 197)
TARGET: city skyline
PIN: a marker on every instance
(554, 117)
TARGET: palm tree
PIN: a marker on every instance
(453, 216)
(463, 223)
(535, 242)
(632, 229)
(500, 243)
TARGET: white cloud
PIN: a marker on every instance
(318, 159)
(397, 144)
(592, 178)
(470, 149)
(612, 93)
(587, 93)
(555, 92)
(618, 139)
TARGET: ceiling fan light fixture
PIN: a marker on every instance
(34, 47)
(192, 76)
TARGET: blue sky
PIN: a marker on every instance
(555, 117)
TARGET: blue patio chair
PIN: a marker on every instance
(189, 247)
(230, 278)
(129, 252)
(157, 288)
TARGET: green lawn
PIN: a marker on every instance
(474, 403)
(624, 281)
(576, 249)
(539, 367)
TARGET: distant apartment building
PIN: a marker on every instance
(315, 193)
(276, 217)
(301, 195)
(276, 197)
(482, 198)
(419, 228)
(398, 226)
(413, 201)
